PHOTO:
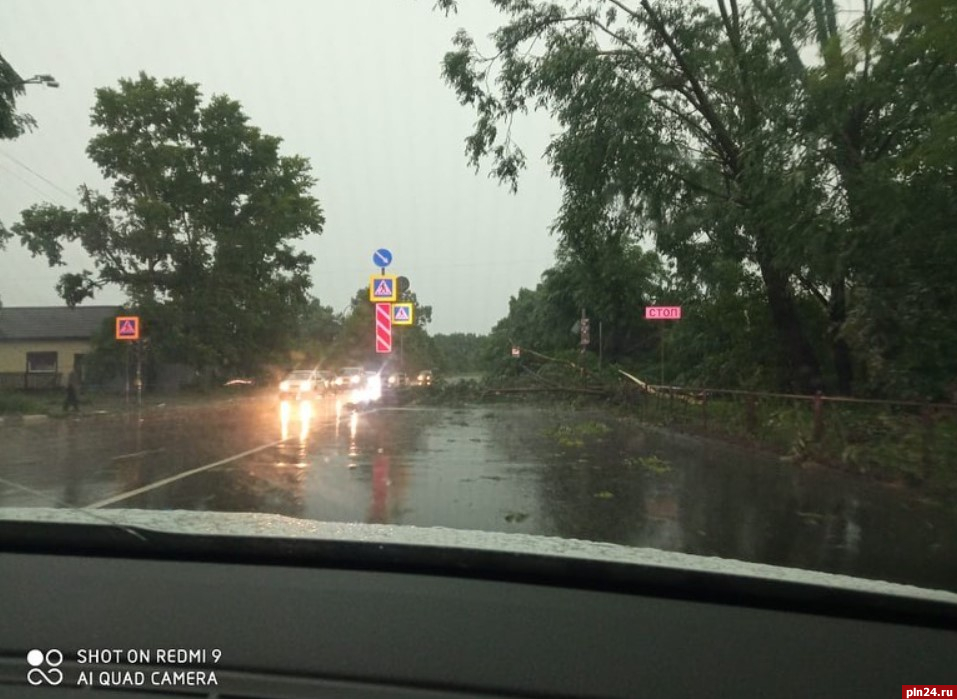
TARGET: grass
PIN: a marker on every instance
(51, 402)
(575, 435)
(889, 443)
(17, 403)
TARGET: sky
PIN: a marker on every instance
(353, 85)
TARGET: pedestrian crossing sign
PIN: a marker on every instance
(402, 314)
(382, 288)
(128, 328)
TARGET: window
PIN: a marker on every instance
(41, 362)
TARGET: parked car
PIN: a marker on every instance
(301, 384)
(398, 380)
(424, 378)
(350, 377)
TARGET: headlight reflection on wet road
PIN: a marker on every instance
(353, 428)
(302, 410)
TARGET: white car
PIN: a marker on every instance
(303, 383)
(350, 377)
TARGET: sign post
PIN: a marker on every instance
(662, 313)
(383, 328)
(385, 291)
(584, 330)
(128, 330)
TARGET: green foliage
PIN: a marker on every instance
(12, 403)
(796, 175)
(459, 352)
(198, 229)
(12, 123)
(576, 435)
(317, 328)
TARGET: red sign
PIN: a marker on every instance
(383, 327)
(662, 312)
(128, 328)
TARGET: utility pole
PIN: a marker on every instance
(599, 345)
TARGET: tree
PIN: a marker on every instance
(459, 352)
(12, 123)
(199, 226)
(704, 130)
(316, 330)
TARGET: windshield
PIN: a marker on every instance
(688, 287)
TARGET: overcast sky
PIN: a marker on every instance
(353, 85)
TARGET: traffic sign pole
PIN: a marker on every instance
(383, 328)
(662, 313)
(139, 374)
(662, 367)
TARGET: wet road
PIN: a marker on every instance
(558, 472)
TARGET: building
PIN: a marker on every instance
(41, 345)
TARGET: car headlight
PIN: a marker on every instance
(355, 379)
(284, 386)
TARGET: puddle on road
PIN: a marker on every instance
(585, 475)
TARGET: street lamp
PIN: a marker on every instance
(45, 79)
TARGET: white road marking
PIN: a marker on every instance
(137, 454)
(180, 476)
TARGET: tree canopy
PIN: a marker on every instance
(12, 122)
(199, 226)
(786, 163)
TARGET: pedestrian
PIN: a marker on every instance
(72, 400)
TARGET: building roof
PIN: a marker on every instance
(52, 322)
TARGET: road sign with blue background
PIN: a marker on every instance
(382, 287)
(382, 257)
(402, 314)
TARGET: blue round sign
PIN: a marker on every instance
(382, 257)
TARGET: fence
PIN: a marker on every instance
(20, 380)
(914, 439)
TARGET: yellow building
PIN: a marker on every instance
(41, 345)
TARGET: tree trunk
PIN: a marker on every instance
(804, 371)
(843, 362)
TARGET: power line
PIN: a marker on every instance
(29, 184)
(37, 174)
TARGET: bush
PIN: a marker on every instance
(19, 403)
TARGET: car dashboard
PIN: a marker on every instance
(273, 617)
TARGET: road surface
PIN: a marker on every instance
(551, 471)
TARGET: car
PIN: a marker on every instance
(398, 380)
(299, 384)
(349, 377)
(424, 378)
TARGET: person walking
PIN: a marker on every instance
(72, 399)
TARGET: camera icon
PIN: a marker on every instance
(44, 667)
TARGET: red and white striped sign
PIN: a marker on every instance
(383, 327)
(662, 312)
